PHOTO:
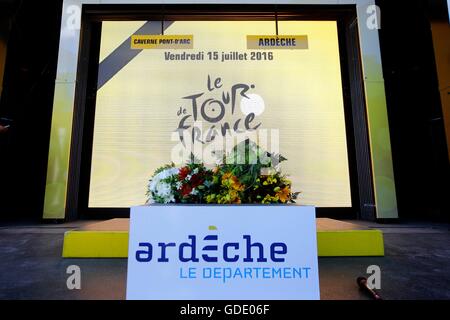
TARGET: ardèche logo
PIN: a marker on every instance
(207, 257)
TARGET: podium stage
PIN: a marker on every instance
(109, 239)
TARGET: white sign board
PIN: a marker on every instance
(223, 253)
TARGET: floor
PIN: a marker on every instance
(416, 266)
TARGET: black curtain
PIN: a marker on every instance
(27, 99)
(421, 163)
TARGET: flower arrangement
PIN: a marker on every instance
(246, 176)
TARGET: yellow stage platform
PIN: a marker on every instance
(109, 239)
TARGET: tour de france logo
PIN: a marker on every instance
(214, 107)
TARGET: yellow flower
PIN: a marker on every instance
(226, 176)
(229, 197)
(284, 195)
(231, 181)
(235, 198)
(269, 199)
(211, 198)
(270, 180)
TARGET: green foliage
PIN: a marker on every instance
(248, 174)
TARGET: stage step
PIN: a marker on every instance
(109, 239)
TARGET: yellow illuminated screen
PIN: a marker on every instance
(298, 93)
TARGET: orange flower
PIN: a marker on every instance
(226, 176)
(231, 181)
(284, 195)
(236, 184)
(235, 198)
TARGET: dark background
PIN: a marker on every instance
(27, 98)
(421, 164)
(419, 147)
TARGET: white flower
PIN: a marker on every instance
(162, 189)
(167, 173)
